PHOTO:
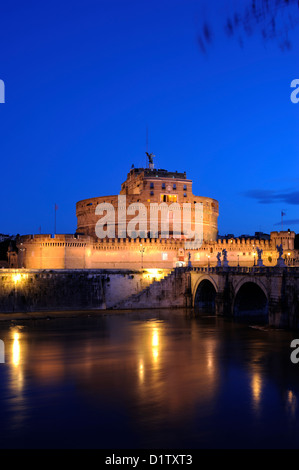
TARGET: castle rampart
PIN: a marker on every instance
(84, 252)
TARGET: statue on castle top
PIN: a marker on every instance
(150, 157)
(259, 252)
(280, 250)
(219, 256)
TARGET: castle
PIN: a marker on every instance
(150, 188)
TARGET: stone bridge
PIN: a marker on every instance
(269, 292)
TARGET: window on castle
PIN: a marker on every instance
(185, 194)
(168, 198)
(163, 185)
(164, 256)
(185, 187)
(152, 185)
(152, 193)
(174, 186)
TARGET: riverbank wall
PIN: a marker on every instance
(25, 290)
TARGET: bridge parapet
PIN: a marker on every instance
(246, 270)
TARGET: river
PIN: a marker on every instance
(150, 379)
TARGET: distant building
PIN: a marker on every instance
(262, 236)
(226, 237)
(4, 237)
(12, 257)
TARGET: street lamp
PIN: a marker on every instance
(142, 250)
(289, 261)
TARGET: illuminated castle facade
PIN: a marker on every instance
(84, 250)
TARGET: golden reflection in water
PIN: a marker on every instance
(17, 372)
(291, 403)
(141, 372)
(210, 355)
(17, 400)
(155, 344)
(256, 388)
(16, 350)
(174, 376)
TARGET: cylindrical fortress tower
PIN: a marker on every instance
(149, 186)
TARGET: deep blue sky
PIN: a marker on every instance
(85, 78)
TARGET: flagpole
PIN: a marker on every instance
(55, 218)
(146, 146)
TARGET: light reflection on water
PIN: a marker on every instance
(154, 379)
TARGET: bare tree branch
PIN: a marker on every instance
(271, 19)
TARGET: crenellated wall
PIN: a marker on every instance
(83, 252)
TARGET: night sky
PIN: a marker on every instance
(84, 79)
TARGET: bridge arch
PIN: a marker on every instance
(251, 299)
(253, 280)
(204, 293)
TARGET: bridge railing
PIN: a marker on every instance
(244, 269)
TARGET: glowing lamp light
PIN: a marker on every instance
(154, 274)
(16, 278)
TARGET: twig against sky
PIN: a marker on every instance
(272, 20)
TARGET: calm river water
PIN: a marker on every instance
(156, 379)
